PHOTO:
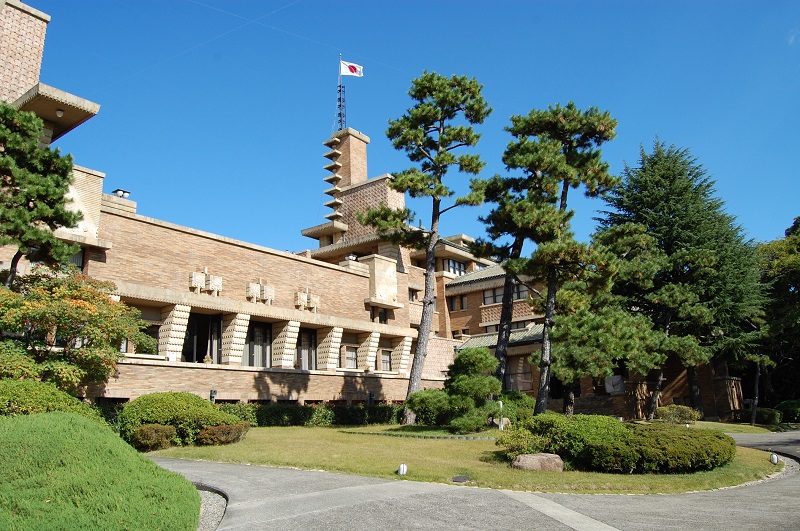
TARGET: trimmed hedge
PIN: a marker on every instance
(63, 471)
(186, 412)
(677, 414)
(151, 437)
(764, 415)
(28, 397)
(604, 444)
(790, 410)
(223, 434)
(314, 414)
(664, 449)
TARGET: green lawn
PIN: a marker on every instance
(439, 460)
(730, 427)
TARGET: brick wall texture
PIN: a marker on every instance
(21, 50)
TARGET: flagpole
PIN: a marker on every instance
(340, 105)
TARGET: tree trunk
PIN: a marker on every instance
(506, 314)
(544, 364)
(656, 395)
(428, 309)
(12, 270)
(754, 407)
(694, 388)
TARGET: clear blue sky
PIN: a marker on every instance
(213, 113)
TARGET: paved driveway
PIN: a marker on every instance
(267, 498)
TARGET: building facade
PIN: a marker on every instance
(337, 323)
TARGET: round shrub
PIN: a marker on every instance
(677, 414)
(28, 397)
(790, 410)
(474, 419)
(430, 405)
(186, 412)
(665, 449)
(16, 363)
(321, 416)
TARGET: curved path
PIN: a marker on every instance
(266, 498)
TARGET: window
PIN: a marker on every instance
(306, 354)
(455, 267)
(413, 294)
(457, 302)
(258, 351)
(495, 295)
(516, 325)
(386, 360)
(349, 359)
(203, 339)
(77, 259)
(379, 315)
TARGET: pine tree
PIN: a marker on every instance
(704, 292)
(34, 182)
(439, 123)
(555, 149)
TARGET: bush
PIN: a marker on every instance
(242, 410)
(28, 397)
(790, 410)
(569, 436)
(677, 414)
(16, 363)
(151, 437)
(764, 415)
(283, 415)
(80, 475)
(432, 406)
(186, 412)
(664, 449)
(223, 434)
(475, 419)
(518, 406)
(520, 440)
(321, 416)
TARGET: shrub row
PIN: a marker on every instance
(604, 444)
(314, 414)
(661, 449)
(764, 415)
(790, 410)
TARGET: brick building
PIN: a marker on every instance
(336, 323)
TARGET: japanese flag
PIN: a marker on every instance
(350, 69)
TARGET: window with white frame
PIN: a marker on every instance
(386, 360)
(455, 267)
(349, 357)
(495, 295)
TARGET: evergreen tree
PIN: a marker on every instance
(431, 132)
(704, 294)
(34, 182)
(780, 266)
(555, 149)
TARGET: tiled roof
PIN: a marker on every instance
(493, 271)
(530, 334)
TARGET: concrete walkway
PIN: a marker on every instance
(266, 498)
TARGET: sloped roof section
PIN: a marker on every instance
(493, 271)
(525, 336)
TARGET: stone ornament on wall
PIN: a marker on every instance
(259, 292)
(200, 282)
(304, 300)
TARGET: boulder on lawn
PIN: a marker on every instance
(549, 462)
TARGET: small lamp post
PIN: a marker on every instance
(212, 395)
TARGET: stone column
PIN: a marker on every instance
(234, 336)
(368, 350)
(401, 354)
(329, 349)
(284, 347)
(172, 333)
